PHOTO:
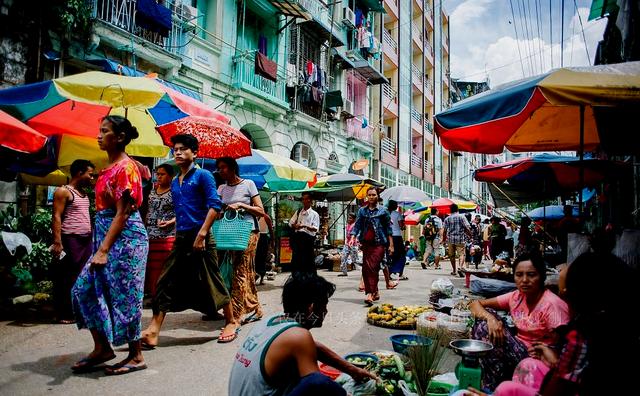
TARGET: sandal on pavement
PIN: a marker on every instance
(89, 364)
(404, 277)
(376, 297)
(453, 273)
(368, 302)
(226, 339)
(121, 369)
(392, 285)
(250, 318)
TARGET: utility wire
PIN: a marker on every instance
(584, 39)
(551, 32)
(529, 22)
(538, 23)
(513, 17)
(562, 35)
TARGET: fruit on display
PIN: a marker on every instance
(386, 315)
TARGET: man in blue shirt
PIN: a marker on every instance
(190, 277)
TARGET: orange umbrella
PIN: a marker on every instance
(215, 138)
(17, 136)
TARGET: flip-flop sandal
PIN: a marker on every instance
(89, 364)
(251, 318)
(404, 278)
(368, 302)
(128, 368)
(224, 340)
(392, 286)
(147, 347)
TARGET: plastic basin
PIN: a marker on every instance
(329, 371)
(401, 342)
(363, 356)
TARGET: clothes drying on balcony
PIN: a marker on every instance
(153, 17)
(265, 67)
(262, 45)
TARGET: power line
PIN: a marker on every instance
(529, 22)
(538, 23)
(513, 17)
(551, 32)
(562, 35)
(584, 39)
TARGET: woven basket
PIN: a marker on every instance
(390, 326)
(232, 233)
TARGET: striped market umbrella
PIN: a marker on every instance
(73, 107)
(17, 136)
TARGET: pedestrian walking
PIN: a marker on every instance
(350, 249)
(373, 230)
(497, 234)
(433, 233)
(399, 257)
(265, 246)
(190, 277)
(241, 195)
(107, 296)
(161, 222)
(456, 230)
(71, 227)
(305, 223)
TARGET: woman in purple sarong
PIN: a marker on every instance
(107, 296)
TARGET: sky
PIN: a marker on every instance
(483, 41)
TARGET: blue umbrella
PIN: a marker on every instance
(550, 212)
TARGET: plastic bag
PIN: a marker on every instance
(446, 378)
(405, 389)
(443, 285)
(13, 240)
(357, 389)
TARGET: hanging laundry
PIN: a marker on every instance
(291, 75)
(262, 45)
(359, 17)
(319, 77)
(266, 68)
(309, 68)
(316, 95)
(365, 122)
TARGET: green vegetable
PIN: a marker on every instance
(390, 388)
(405, 341)
(399, 365)
(407, 376)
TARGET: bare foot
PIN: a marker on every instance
(149, 339)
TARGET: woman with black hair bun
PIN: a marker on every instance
(535, 311)
(107, 296)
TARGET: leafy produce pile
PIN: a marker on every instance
(403, 317)
(391, 370)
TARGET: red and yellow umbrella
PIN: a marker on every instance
(17, 136)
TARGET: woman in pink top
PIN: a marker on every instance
(536, 313)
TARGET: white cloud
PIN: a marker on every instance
(498, 58)
(468, 11)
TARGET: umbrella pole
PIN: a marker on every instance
(278, 232)
(581, 160)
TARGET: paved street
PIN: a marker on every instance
(35, 357)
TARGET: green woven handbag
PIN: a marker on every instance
(232, 233)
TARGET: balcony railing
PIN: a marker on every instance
(417, 32)
(416, 116)
(355, 130)
(428, 169)
(388, 146)
(428, 125)
(428, 86)
(417, 76)
(122, 14)
(390, 94)
(416, 162)
(322, 13)
(390, 41)
(245, 77)
(428, 47)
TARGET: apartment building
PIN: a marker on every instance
(415, 44)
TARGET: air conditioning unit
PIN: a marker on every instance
(348, 17)
(347, 108)
(188, 14)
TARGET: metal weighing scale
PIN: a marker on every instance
(468, 371)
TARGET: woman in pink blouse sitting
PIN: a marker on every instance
(536, 313)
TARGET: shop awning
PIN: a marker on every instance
(292, 8)
(352, 60)
(371, 5)
(601, 8)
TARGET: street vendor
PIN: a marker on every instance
(280, 356)
(536, 312)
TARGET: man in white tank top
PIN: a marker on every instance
(280, 356)
(71, 226)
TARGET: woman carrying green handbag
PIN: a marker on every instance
(242, 207)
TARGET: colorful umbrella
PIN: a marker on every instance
(553, 173)
(444, 205)
(272, 171)
(17, 136)
(543, 113)
(215, 138)
(74, 106)
(405, 194)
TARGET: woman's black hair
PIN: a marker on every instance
(167, 168)
(230, 163)
(538, 263)
(121, 125)
(392, 205)
(303, 289)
